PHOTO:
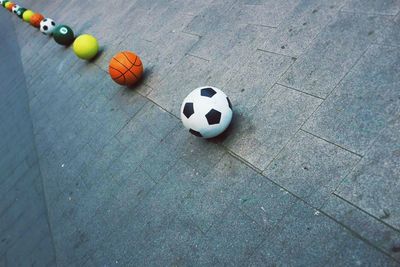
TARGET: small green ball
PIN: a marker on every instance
(20, 12)
(63, 35)
(4, 3)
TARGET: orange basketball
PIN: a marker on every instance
(36, 19)
(125, 68)
(10, 6)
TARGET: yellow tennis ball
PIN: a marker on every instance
(27, 15)
(86, 46)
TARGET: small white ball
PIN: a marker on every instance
(47, 26)
(206, 112)
(15, 8)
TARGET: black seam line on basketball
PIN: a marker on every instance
(121, 63)
(133, 74)
(117, 70)
(133, 63)
(122, 73)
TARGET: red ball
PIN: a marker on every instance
(36, 19)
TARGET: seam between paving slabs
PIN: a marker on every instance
(305, 121)
(275, 53)
(193, 34)
(189, 54)
(387, 45)
(37, 156)
(366, 13)
(330, 142)
(300, 91)
(230, 152)
(367, 213)
(307, 47)
(262, 25)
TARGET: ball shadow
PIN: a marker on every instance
(232, 128)
(140, 82)
(98, 55)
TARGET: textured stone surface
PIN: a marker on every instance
(334, 52)
(385, 7)
(301, 26)
(304, 176)
(304, 236)
(361, 106)
(259, 136)
(309, 166)
(373, 186)
(376, 232)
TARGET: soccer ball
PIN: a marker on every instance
(47, 26)
(206, 112)
(15, 8)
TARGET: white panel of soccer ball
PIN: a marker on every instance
(206, 112)
(47, 26)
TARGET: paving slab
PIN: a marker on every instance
(373, 186)
(385, 7)
(248, 78)
(334, 52)
(391, 35)
(265, 202)
(205, 204)
(303, 24)
(232, 239)
(361, 106)
(304, 237)
(378, 233)
(266, 13)
(259, 136)
(309, 166)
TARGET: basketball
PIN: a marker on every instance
(125, 68)
(36, 19)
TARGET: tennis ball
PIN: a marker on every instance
(27, 15)
(86, 46)
(4, 3)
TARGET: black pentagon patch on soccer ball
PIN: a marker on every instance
(188, 110)
(196, 133)
(45, 27)
(229, 103)
(213, 117)
(208, 92)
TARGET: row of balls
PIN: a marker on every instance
(206, 112)
(85, 46)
